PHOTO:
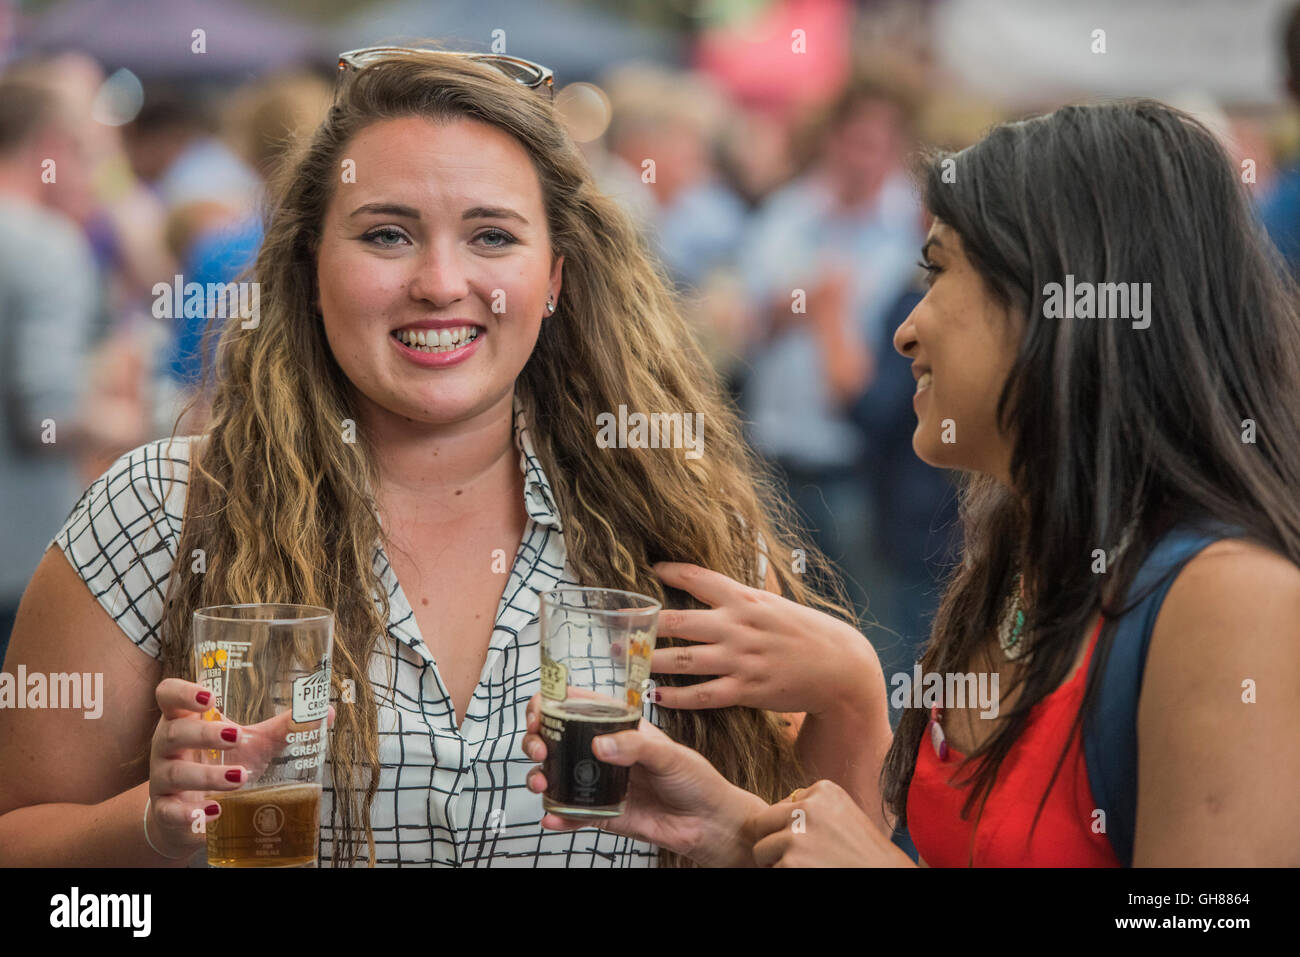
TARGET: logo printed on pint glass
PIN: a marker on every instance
(586, 772)
(219, 658)
(311, 696)
(267, 820)
(640, 647)
(555, 678)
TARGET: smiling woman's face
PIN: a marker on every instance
(443, 235)
(962, 343)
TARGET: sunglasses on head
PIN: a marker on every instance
(525, 72)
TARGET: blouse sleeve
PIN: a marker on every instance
(122, 534)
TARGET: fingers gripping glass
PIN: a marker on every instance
(525, 72)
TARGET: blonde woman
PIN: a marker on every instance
(426, 493)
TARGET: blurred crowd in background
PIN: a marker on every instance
(762, 144)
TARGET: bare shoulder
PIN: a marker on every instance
(1235, 555)
(1233, 609)
(1220, 699)
(1232, 587)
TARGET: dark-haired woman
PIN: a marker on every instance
(1110, 350)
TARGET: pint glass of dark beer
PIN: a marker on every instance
(596, 648)
(268, 668)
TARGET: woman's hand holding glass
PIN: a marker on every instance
(675, 798)
(179, 784)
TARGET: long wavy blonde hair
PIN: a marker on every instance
(280, 505)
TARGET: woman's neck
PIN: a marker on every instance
(436, 473)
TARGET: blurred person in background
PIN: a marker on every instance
(174, 147)
(121, 216)
(124, 224)
(212, 243)
(827, 257)
(670, 119)
(177, 148)
(1280, 207)
(694, 220)
(49, 301)
(754, 153)
(914, 506)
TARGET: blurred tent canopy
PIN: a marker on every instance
(154, 38)
(1029, 53)
(577, 42)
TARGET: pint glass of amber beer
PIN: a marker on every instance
(268, 668)
(596, 650)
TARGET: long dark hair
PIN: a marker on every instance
(1112, 426)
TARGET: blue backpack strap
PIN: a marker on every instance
(1110, 743)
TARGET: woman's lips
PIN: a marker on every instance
(438, 360)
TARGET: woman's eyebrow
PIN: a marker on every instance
(410, 212)
(932, 241)
(492, 212)
(387, 209)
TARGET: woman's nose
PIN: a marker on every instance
(440, 277)
(905, 336)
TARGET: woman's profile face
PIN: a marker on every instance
(962, 343)
(442, 234)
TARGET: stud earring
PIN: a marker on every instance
(550, 305)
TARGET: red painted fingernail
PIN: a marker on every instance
(234, 775)
(655, 695)
(211, 809)
(230, 734)
(203, 697)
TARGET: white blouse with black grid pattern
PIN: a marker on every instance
(447, 796)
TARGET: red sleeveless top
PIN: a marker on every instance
(1064, 835)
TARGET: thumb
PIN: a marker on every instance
(646, 745)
